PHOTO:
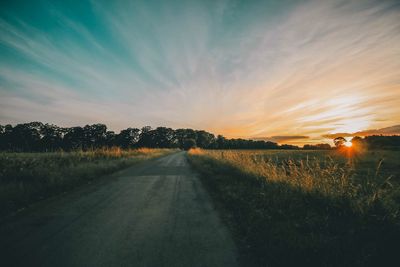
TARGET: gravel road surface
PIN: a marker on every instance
(153, 214)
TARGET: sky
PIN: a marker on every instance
(289, 71)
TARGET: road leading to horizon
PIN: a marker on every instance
(153, 214)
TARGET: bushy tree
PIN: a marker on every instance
(204, 139)
(164, 137)
(74, 138)
(339, 141)
(127, 138)
(52, 137)
(189, 143)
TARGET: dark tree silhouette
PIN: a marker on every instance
(382, 142)
(339, 141)
(146, 137)
(180, 136)
(95, 136)
(6, 138)
(36, 136)
(317, 147)
(204, 139)
(221, 142)
(357, 142)
(74, 139)
(189, 143)
(52, 137)
(164, 137)
(26, 136)
(111, 139)
(127, 138)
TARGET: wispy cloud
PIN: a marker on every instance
(392, 130)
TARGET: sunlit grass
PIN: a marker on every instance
(328, 173)
(314, 208)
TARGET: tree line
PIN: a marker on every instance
(372, 142)
(39, 137)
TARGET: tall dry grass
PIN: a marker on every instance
(27, 177)
(306, 208)
(328, 174)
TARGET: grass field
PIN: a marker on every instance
(28, 177)
(307, 208)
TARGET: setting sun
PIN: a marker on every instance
(348, 143)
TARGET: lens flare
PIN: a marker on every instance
(348, 144)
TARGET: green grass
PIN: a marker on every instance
(307, 208)
(29, 177)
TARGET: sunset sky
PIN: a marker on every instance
(288, 71)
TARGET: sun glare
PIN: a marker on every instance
(348, 144)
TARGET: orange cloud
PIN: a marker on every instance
(283, 138)
(392, 130)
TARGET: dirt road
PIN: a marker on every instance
(153, 214)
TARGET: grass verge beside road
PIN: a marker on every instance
(300, 210)
(28, 177)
